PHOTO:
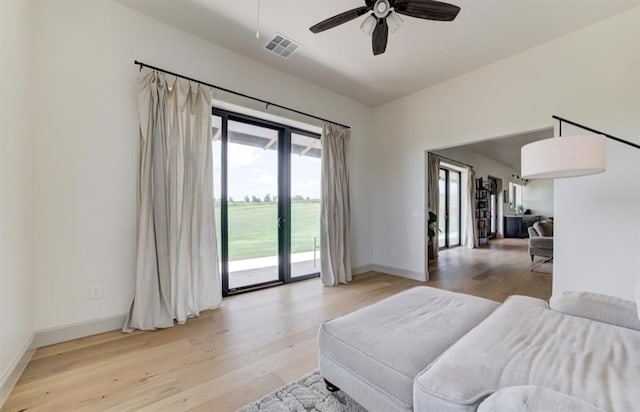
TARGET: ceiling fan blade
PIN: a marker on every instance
(379, 37)
(337, 20)
(427, 9)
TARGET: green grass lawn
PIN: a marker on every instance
(253, 228)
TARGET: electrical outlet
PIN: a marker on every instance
(95, 292)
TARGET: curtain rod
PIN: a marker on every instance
(267, 103)
(451, 160)
(617, 139)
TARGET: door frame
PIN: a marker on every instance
(283, 204)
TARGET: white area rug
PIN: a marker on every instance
(307, 394)
(543, 266)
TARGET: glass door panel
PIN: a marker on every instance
(305, 161)
(216, 128)
(449, 208)
(252, 204)
(453, 230)
(442, 208)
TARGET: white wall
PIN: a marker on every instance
(16, 299)
(597, 218)
(86, 145)
(484, 167)
(538, 196)
(590, 76)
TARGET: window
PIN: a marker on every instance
(516, 194)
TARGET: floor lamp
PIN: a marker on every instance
(569, 156)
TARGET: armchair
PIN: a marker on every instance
(541, 240)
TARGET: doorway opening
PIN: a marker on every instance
(485, 214)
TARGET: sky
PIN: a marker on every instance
(253, 171)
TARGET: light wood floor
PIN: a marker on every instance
(254, 344)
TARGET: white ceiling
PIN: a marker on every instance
(506, 150)
(422, 53)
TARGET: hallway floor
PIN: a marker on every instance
(500, 269)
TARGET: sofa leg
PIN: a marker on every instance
(331, 387)
(531, 258)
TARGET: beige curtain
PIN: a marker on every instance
(470, 233)
(177, 273)
(433, 193)
(335, 256)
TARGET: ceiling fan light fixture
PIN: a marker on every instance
(384, 16)
(369, 24)
(394, 21)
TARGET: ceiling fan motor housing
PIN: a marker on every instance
(381, 8)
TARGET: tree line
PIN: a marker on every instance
(269, 199)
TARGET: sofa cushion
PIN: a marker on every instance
(388, 343)
(525, 343)
(598, 307)
(533, 399)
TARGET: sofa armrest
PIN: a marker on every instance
(533, 399)
(541, 242)
(532, 232)
(601, 308)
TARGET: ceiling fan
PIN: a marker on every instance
(384, 17)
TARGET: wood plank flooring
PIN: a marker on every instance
(254, 344)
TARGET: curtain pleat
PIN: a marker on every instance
(177, 271)
(335, 255)
(433, 195)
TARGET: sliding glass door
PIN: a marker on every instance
(252, 209)
(449, 208)
(268, 202)
(305, 204)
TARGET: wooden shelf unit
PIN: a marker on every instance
(483, 216)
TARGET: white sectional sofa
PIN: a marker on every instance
(432, 350)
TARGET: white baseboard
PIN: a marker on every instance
(359, 270)
(409, 274)
(11, 375)
(65, 333)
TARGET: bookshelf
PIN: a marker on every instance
(483, 217)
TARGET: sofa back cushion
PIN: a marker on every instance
(598, 307)
(544, 228)
(523, 342)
